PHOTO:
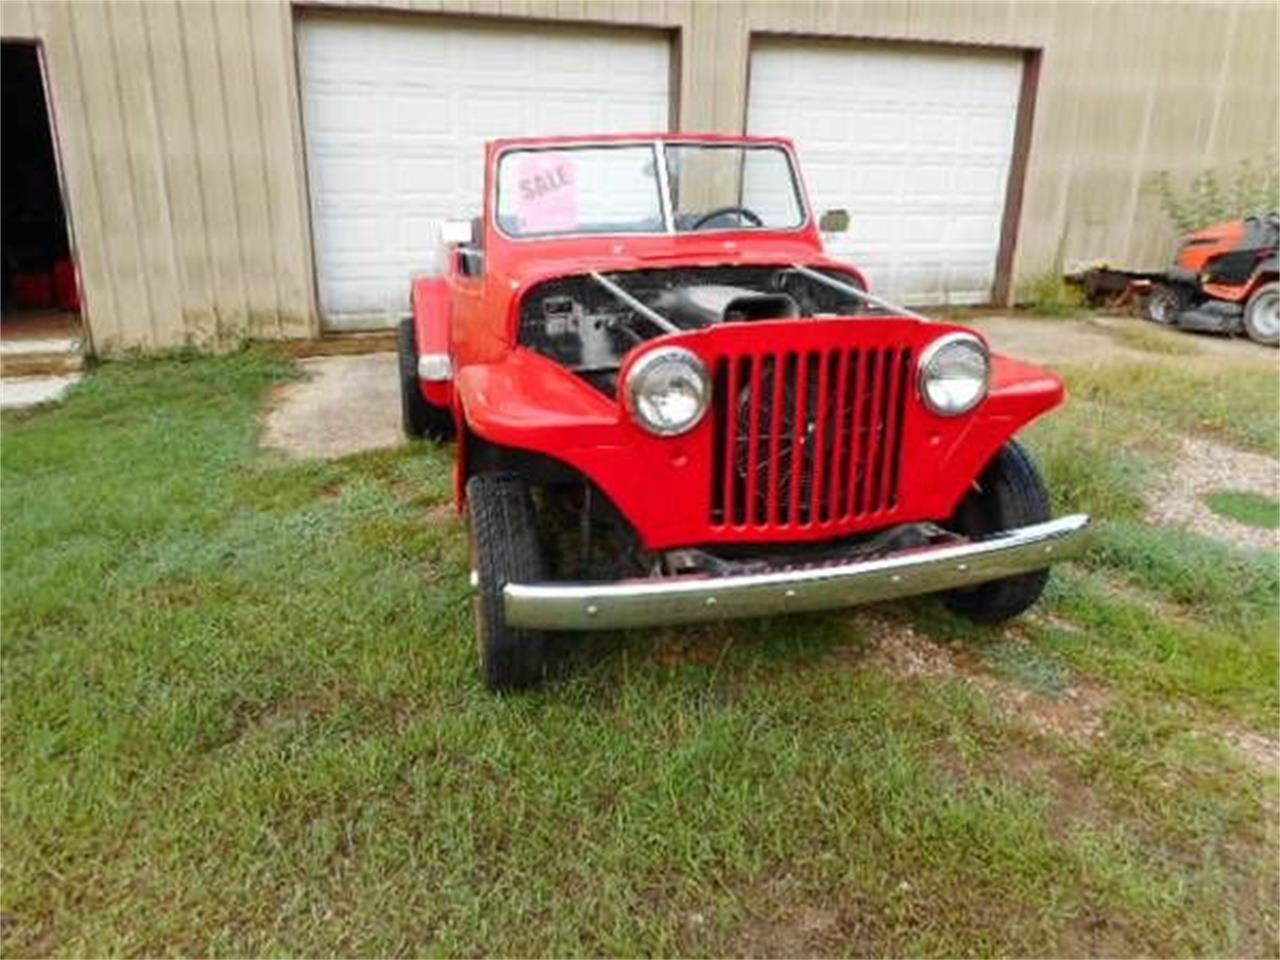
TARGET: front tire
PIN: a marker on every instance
(1262, 315)
(1009, 493)
(504, 549)
(418, 417)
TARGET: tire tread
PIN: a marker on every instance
(1011, 494)
(505, 549)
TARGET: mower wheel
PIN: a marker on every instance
(1164, 303)
(504, 549)
(418, 417)
(1009, 493)
(1262, 315)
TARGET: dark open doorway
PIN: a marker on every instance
(39, 286)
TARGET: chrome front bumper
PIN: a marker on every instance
(687, 599)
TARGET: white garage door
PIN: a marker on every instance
(916, 144)
(396, 113)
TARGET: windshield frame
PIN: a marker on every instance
(659, 148)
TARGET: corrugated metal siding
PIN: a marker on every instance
(180, 137)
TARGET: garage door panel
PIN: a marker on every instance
(396, 114)
(918, 151)
(624, 116)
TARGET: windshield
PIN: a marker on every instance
(617, 189)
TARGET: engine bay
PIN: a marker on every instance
(588, 323)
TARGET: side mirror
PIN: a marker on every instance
(834, 221)
(457, 231)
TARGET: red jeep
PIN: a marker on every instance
(671, 406)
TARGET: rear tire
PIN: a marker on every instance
(1262, 315)
(504, 549)
(1008, 494)
(418, 417)
(1164, 303)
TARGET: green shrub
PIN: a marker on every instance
(1254, 189)
(1050, 296)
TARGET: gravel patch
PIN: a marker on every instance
(1203, 466)
(1078, 713)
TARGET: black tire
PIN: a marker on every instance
(1260, 315)
(504, 549)
(1009, 494)
(418, 417)
(1165, 302)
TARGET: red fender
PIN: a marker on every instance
(431, 315)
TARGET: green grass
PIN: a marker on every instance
(241, 716)
(1247, 506)
(1096, 459)
(1237, 405)
(1154, 340)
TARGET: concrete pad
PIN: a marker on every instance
(346, 404)
(1093, 339)
(18, 392)
(19, 347)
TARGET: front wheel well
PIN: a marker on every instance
(585, 533)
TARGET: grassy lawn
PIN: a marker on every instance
(1246, 506)
(241, 716)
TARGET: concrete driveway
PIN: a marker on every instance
(345, 404)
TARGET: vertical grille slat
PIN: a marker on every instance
(879, 429)
(867, 412)
(731, 443)
(904, 382)
(819, 446)
(775, 438)
(798, 422)
(809, 437)
(852, 433)
(756, 435)
(840, 364)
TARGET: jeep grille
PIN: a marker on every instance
(808, 437)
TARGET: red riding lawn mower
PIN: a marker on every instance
(1224, 281)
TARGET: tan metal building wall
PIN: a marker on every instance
(179, 129)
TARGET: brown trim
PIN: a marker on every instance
(746, 81)
(1002, 291)
(675, 70)
(864, 39)
(295, 39)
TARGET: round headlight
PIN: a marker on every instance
(667, 390)
(954, 372)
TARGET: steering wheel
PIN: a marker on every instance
(744, 213)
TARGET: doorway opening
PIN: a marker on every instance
(39, 290)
